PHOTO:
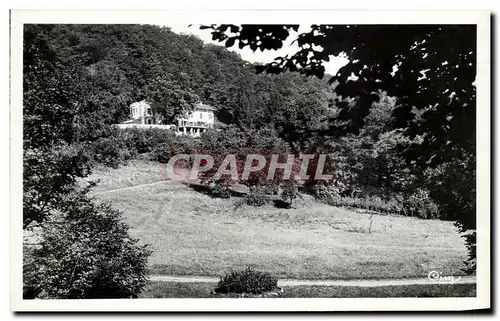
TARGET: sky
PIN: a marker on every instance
(265, 56)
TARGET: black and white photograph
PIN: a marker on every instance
(341, 157)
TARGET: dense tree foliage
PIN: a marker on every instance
(76, 249)
(121, 64)
(84, 252)
(431, 69)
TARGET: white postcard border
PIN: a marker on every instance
(481, 18)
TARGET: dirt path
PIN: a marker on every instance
(131, 187)
(178, 171)
(289, 282)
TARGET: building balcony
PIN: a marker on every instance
(198, 124)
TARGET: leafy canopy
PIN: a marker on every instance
(430, 69)
(427, 67)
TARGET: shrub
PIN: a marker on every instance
(85, 252)
(171, 145)
(247, 281)
(145, 140)
(109, 151)
(372, 203)
(159, 144)
(220, 190)
(256, 197)
(344, 179)
(421, 205)
(418, 204)
(289, 192)
(325, 193)
(213, 189)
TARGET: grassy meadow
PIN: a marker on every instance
(194, 234)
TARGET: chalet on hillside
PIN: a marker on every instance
(192, 123)
(197, 121)
(142, 113)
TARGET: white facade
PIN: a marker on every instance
(142, 111)
(197, 121)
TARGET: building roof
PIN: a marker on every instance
(142, 102)
(202, 106)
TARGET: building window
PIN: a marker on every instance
(201, 115)
(210, 116)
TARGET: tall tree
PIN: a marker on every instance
(67, 227)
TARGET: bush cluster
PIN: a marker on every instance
(109, 151)
(372, 203)
(218, 189)
(256, 198)
(247, 281)
(420, 204)
(416, 204)
(158, 144)
(122, 145)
